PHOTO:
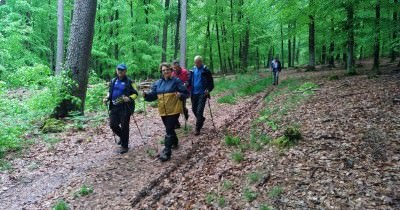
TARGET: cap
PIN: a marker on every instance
(121, 67)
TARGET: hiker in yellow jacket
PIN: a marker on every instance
(170, 92)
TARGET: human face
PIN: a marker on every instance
(166, 72)
(176, 67)
(198, 63)
(121, 73)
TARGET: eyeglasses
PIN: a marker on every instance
(166, 70)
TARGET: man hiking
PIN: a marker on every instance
(276, 68)
(121, 96)
(183, 75)
(170, 92)
(201, 84)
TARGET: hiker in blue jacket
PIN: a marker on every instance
(201, 83)
(276, 68)
(121, 96)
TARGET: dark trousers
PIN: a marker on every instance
(198, 105)
(119, 123)
(276, 77)
(170, 122)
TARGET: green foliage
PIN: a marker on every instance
(5, 165)
(227, 99)
(232, 140)
(83, 191)
(254, 177)
(249, 195)
(265, 207)
(35, 76)
(275, 192)
(237, 156)
(293, 133)
(227, 185)
(221, 202)
(52, 125)
(210, 198)
(61, 205)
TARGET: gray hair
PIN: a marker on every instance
(198, 58)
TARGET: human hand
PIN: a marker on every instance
(126, 99)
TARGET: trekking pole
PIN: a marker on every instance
(134, 120)
(212, 118)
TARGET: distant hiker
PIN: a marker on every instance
(121, 96)
(276, 68)
(201, 83)
(183, 75)
(170, 92)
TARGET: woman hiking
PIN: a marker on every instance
(170, 92)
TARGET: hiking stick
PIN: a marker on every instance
(212, 118)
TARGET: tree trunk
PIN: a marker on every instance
(60, 37)
(350, 39)
(78, 55)
(298, 53)
(233, 39)
(289, 47)
(282, 55)
(182, 59)
(245, 53)
(323, 56)
(377, 37)
(210, 44)
(294, 45)
(165, 33)
(116, 32)
(311, 39)
(332, 46)
(270, 54)
(178, 22)
(395, 30)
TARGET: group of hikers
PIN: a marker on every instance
(171, 90)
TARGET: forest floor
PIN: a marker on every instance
(349, 157)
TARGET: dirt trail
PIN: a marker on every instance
(44, 175)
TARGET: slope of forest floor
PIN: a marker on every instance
(348, 157)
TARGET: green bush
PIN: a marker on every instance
(61, 205)
(83, 191)
(237, 156)
(37, 75)
(249, 195)
(293, 134)
(227, 99)
(275, 192)
(232, 140)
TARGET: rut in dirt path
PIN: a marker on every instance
(163, 184)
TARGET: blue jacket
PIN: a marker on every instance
(206, 79)
(165, 91)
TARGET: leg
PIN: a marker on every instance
(200, 111)
(185, 110)
(170, 138)
(195, 100)
(115, 120)
(125, 118)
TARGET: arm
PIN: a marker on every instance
(152, 95)
(133, 94)
(210, 80)
(182, 90)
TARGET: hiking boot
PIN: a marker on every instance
(119, 141)
(197, 132)
(123, 150)
(165, 155)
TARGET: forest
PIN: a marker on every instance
(339, 59)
